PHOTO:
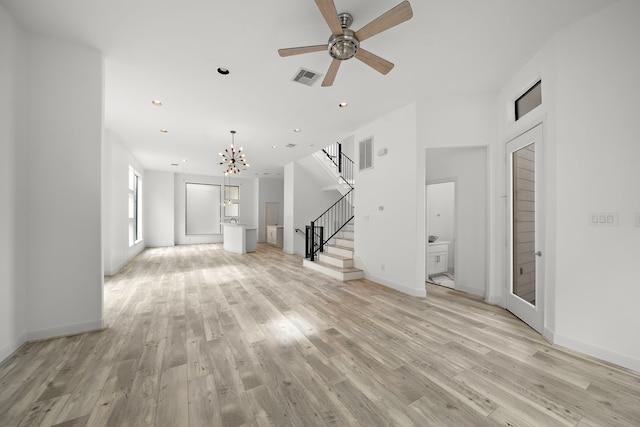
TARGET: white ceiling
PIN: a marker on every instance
(170, 50)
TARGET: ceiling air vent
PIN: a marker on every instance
(306, 77)
(290, 145)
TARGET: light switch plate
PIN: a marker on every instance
(605, 219)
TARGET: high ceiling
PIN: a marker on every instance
(170, 50)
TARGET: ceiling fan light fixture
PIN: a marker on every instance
(344, 43)
(344, 46)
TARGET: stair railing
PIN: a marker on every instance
(327, 225)
(342, 162)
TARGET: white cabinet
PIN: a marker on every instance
(437, 258)
(274, 235)
(238, 238)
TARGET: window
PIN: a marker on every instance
(529, 100)
(231, 201)
(366, 154)
(135, 207)
(202, 208)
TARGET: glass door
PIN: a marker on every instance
(525, 290)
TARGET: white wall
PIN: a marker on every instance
(59, 150)
(116, 162)
(247, 208)
(463, 121)
(12, 295)
(468, 167)
(304, 201)
(269, 190)
(159, 208)
(386, 200)
(590, 87)
(396, 236)
(598, 150)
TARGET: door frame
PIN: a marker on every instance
(534, 316)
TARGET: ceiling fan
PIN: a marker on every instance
(344, 43)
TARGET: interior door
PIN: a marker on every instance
(271, 213)
(525, 294)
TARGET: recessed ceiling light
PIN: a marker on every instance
(157, 103)
(296, 130)
(343, 105)
(274, 146)
(185, 160)
(164, 130)
(223, 71)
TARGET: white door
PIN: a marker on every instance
(271, 213)
(525, 293)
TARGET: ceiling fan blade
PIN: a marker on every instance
(330, 14)
(389, 19)
(374, 61)
(303, 49)
(331, 73)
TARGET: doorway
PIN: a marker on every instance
(271, 213)
(441, 231)
(467, 167)
(525, 293)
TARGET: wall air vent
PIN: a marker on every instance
(366, 154)
(306, 77)
(290, 145)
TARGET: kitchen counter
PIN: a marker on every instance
(239, 238)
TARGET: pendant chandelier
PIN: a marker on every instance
(233, 158)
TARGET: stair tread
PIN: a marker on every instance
(341, 247)
(335, 256)
(340, 269)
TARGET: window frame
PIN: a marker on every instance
(134, 206)
(516, 108)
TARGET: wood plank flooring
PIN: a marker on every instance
(201, 337)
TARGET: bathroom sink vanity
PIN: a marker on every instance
(437, 258)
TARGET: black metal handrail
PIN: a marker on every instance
(344, 165)
(327, 225)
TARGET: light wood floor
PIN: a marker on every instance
(202, 337)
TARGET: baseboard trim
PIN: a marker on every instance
(13, 346)
(598, 352)
(115, 270)
(422, 292)
(470, 290)
(65, 331)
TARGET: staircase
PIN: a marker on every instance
(337, 259)
(330, 237)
